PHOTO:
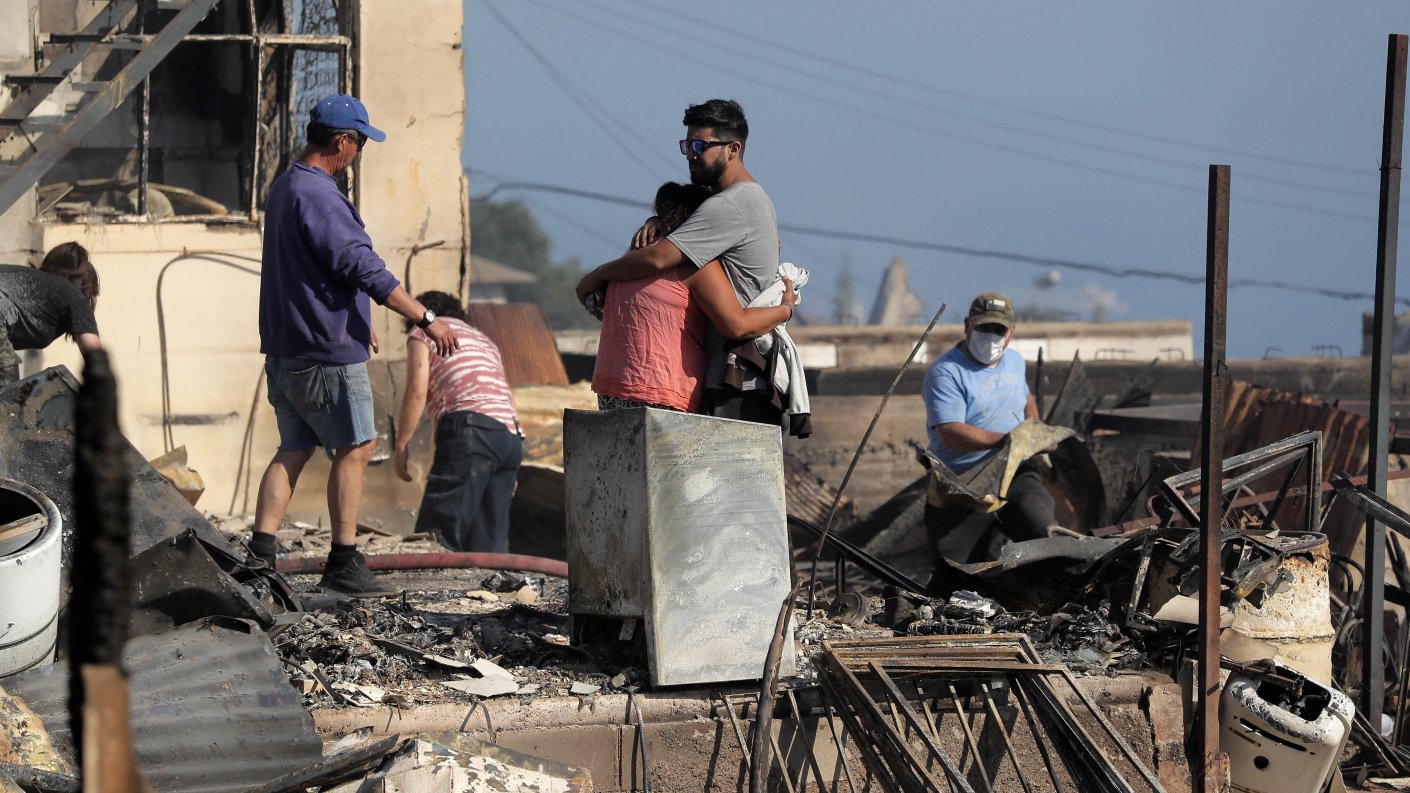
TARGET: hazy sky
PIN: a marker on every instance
(1070, 131)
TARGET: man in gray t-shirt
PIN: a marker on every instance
(736, 225)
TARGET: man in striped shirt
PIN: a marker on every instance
(479, 443)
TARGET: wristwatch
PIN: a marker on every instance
(426, 319)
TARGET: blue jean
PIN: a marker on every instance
(471, 483)
(320, 404)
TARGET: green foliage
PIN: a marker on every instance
(507, 232)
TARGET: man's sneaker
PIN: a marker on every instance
(350, 576)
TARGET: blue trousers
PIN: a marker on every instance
(471, 483)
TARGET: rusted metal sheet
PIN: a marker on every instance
(525, 342)
(1257, 417)
(212, 709)
(810, 497)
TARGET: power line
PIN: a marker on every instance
(1193, 189)
(580, 226)
(1018, 129)
(503, 183)
(964, 250)
(775, 44)
(579, 96)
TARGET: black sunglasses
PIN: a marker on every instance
(698, 147)
(358, 139)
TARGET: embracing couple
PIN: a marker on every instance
(692, 316)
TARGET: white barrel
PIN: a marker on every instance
(1296, 621)
(29, 577)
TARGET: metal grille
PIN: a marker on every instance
(967, 713)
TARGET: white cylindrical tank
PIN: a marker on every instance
(30, 534)
(1278, 742)
(1297, 619)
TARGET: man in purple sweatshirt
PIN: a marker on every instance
(315, 322)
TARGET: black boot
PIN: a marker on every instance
(264, 548)
(348, 573)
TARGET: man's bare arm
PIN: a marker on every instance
(639, 263)
(967, 437)
(1030, 411)
(439, 332)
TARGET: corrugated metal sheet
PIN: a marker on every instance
(810, 497)
(525, 342)
(212, 709)
(1256, 417)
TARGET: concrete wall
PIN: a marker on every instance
(885, 346)
(410, 192)
(691, 745)
(855, 346)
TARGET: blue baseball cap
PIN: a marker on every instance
(340, 111)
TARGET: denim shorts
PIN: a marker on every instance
(320, 404)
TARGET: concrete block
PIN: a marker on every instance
(679, 520)
(684, 756)
(1164, 707)
(596, 748)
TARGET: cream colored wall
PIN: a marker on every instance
(212, 332)
(412, 191)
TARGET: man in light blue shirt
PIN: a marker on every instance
(975, 395)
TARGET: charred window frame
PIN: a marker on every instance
(227, 107)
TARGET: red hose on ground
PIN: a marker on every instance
(444, 560)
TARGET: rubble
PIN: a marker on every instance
(1103, 609)
(1083, 639)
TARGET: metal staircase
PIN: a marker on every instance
(112, 30)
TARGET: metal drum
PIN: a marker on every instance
(1296, 619)
(30, 532)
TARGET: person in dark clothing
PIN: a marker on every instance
(479, 441)
(317, 282)
(38, 306)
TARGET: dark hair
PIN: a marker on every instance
(724, 116)
(320, 135)
(69, 260)
(442, 304)
(675, 201)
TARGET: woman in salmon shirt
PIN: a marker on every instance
(651, 352)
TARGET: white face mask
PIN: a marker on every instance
(986, 347)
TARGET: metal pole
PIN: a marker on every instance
(1211, 771)
(1373, 630)
(144, 146)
